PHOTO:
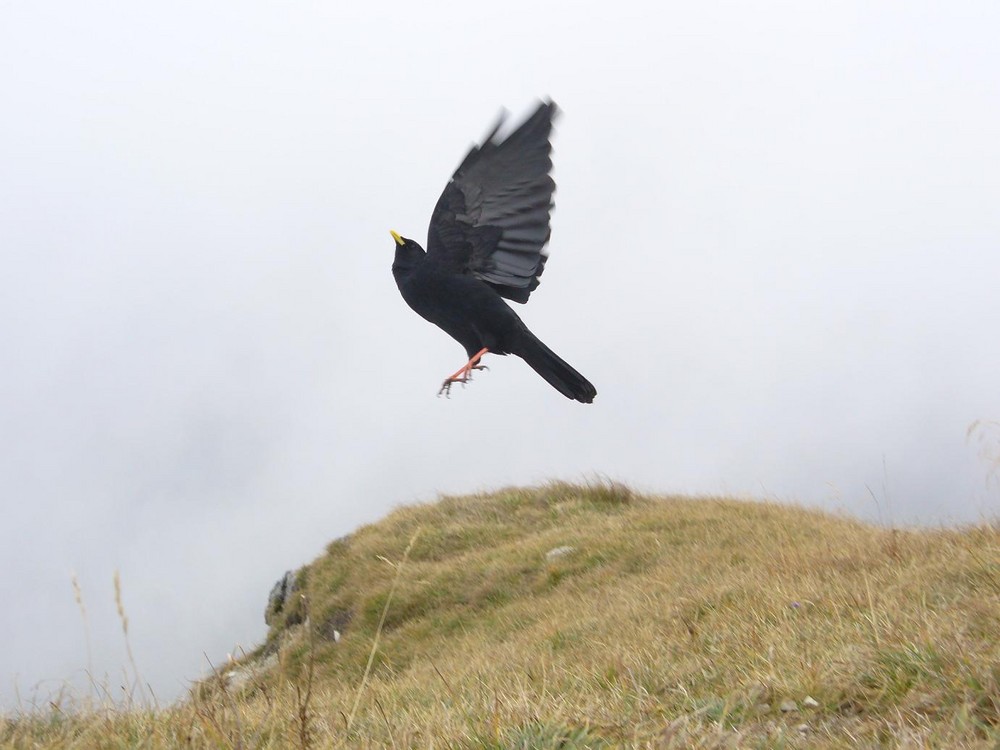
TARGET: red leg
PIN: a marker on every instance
(464, 373)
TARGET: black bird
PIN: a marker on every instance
(485, 242)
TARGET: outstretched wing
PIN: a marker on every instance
(492, 220)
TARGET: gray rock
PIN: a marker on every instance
(239, 676)
(788, 705)
(555, 554)
(280, 597)
(810, 702)
(335, 625)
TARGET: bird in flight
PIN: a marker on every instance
(486, 242)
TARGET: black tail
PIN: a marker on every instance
(557, 373)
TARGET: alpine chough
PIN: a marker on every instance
(485, 242)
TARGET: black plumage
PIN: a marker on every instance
(486, 241)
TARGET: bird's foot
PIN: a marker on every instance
(464, 374)
(446, 387)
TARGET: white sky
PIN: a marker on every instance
(775, 254)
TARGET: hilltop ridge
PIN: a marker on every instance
(566, 616)
(599, 613)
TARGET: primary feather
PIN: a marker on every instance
(492, 220)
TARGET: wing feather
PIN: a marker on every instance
(492, 220)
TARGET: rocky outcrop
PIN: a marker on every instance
(282, 605)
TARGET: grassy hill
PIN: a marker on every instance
(586, 617)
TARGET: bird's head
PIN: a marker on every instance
(408, 252)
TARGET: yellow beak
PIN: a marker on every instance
(395, 236)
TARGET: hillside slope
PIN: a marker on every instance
(566, 616)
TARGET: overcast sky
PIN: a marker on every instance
(775, 253)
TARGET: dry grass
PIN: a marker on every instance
(672, 623)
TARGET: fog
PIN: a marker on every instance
(774, 252)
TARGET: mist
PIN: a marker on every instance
(774, 252)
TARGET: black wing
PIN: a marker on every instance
(492, 220)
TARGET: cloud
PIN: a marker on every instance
(774, 254)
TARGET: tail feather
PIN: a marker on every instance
(556, 372)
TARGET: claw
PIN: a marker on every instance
(464, 374)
